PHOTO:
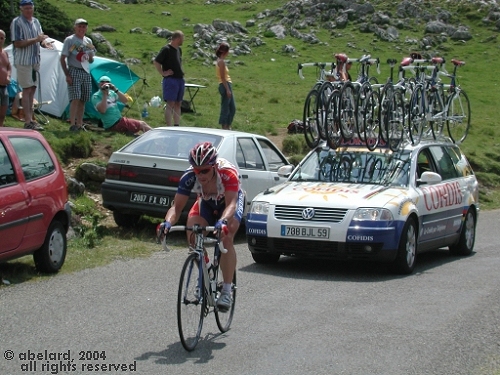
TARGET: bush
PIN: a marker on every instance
(295, 144)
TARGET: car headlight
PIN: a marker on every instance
(261, 208)
(373, 214)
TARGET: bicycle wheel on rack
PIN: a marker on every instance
(332, 125)
(371, 120)
(310, 119)
(191, 303)
(224, 319)
(437, 115)
(323, 94)
(395, 121)
(458, 116)
(347, 111)
(386, 94)
(361, 98)
(417, 119)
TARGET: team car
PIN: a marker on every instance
(352, 203)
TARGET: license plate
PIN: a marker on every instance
(309, 232)
(149, 199)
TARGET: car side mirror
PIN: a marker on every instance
(429, 178)
(285, 170)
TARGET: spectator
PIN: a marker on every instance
(227, 106)
(77, 53)
(168, 62)
(342, 67)
(5, 71)
(105, 101)
(27, 37)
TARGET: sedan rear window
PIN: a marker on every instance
(175, 144)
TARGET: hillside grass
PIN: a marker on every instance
(268, 91)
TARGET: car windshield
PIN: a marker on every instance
(355, 165)
(170, 143)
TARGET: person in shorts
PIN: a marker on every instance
(27, 36)
(168, 63)
(5, 72)
(76, 56)
(105, 101)
(221, 202)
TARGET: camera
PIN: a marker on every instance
(106, 86)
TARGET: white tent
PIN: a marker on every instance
(54, 89)
(52, 86)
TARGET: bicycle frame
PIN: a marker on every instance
(199, 289)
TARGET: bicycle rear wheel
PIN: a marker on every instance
(347, 111)
(371, 120)
(395, 117)
(310, 119)
(191, 303)
(361, 98)
(417, 120)
(224, 319)
(458, 116)
(332, 124)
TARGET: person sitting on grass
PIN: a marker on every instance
(106, 100)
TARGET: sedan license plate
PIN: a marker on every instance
(149, 199)
(309, 232)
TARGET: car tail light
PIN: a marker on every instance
(128, 173)
(174, 179)
(113, 171)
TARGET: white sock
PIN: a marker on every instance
(226, 287)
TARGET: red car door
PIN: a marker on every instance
(14, 214)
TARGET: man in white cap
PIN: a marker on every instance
(27, 36)
(77, 53)
(107, 102)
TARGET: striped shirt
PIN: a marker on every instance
(22, 29)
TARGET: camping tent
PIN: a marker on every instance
(53, 88)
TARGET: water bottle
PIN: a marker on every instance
(145, 112)
(209, 266)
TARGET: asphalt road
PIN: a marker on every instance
(295, 317)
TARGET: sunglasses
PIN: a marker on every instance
(202, 171)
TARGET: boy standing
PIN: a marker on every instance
(77, 53)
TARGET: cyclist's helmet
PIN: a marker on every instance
(203, 154)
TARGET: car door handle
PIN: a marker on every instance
(276, 178)
(244, 176)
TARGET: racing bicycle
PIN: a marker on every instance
(200, 286)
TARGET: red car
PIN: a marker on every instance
(34, 208)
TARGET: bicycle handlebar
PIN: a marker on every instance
(321, 65)
(198, 229)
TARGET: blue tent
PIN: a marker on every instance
(121, 76)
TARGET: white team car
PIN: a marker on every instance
(352, 203)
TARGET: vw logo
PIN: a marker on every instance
(308, 213)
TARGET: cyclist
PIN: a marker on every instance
(220, 202)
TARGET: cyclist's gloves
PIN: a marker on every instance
(221, 226)
(161, 230)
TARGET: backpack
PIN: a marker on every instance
(296, 126)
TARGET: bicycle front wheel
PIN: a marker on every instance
(224, 319)
(458, 116)
(310, 119)
(191, 303)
